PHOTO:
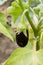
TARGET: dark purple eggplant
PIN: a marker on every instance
(22, 39)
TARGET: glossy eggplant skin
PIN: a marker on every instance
(21, 39)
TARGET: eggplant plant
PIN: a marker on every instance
(27, 16)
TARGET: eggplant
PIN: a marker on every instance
(22, 39)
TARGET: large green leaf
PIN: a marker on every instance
(24, 56)
(4, 28)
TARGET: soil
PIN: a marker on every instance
(6, 48)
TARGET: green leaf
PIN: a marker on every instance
(24, 56)
(4, 28)
(39, 9)
(14, 10)
(34, 3)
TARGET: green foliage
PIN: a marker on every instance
(4, 28)
(14, 10)
(34, 3)
(31, 18)
(39, 10)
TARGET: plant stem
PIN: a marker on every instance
(38, 43)
(32, 25)
(29, 19)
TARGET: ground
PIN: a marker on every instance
(6, 48)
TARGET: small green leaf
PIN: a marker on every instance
(14, 10)
(4, 28)
(24, 56)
